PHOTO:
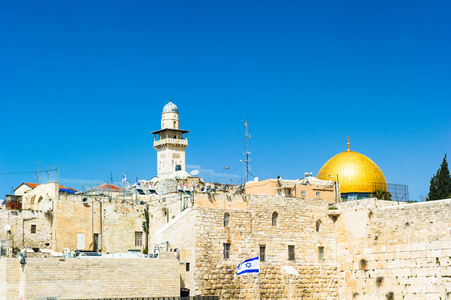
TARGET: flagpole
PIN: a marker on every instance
(258, 284)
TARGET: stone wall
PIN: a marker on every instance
(180, 235)
(120, 222)
(200, 236)
(250, 228)
(58, 229)
(390, 250)
(89, 278)
(21, 222)
(9, 279)
(372, 249)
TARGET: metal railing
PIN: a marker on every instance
(170, 141)
(399, 192)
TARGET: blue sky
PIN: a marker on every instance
(83, 83)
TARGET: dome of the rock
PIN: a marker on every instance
(357, 175)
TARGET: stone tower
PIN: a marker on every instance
(170, 142)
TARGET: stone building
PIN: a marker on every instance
(364, 249)
(310, 247)
(305, 188)
(52, 221)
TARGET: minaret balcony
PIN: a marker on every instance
(168, 141)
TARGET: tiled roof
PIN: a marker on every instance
(33, 185)
(106, 186)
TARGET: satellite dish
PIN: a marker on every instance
(194, 172)
(308, 174)
(256, 179)
(85, 200)
(279, 177)
(208, 187)
(7, 227)
(203, 190)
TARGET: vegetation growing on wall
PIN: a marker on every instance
(146, 228)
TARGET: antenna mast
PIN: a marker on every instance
(246, 156)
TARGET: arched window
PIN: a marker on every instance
(226, 220)
(175, 124)
(275, 216)
(166, 214)
(318, 225)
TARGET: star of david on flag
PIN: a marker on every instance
(251, 265)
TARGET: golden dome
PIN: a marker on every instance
(356, 173)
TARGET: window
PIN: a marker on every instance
(226, 220)
(138, 238)
(226, 250)
(275, 216)
(187, 266)
(33, 228)
(318, 225)
(290, 252)
(318, 194)
(320, 253)
(96, 241)
(262, 252)
(303, 193)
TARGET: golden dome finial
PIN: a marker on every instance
(348, 141)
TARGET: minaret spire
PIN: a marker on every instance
(170, 142)
(348, 141)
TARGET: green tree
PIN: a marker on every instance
(440, 187)
(381, 194)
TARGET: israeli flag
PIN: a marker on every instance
(124, 178)
(251, 265)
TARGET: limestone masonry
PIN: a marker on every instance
(59, 242)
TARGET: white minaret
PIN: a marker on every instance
(170, 143)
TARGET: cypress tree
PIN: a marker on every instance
(440, 187)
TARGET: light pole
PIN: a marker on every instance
(227, 174)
